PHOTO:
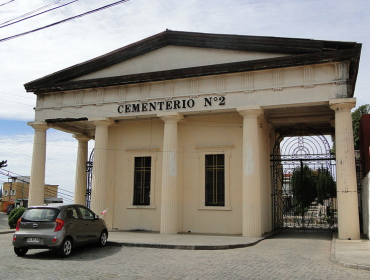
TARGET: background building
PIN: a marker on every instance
(16, 191)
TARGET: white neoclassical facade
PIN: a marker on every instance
(185, 123)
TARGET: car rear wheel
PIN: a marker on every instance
(103, 239)
(20, 252)
(66, 249)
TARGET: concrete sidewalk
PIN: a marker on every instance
(347, 253)
(351, 253)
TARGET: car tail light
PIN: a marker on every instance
(60, 224)
(18, 223)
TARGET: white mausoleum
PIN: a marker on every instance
(184, 125)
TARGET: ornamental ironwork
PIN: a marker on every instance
(303, 177)
(89, 170)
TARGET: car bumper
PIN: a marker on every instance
(35, 241)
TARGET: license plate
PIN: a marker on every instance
(33, 240)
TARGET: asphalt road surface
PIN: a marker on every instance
(289, 255)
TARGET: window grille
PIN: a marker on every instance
(142, 176)
(215, 180)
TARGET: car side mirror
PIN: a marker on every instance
(96, 217)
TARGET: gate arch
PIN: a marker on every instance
(301, 161)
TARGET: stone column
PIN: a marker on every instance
(347, 197)
(252, 225)
(81, 174)
(37, 181)
(169, 201)
(99, 181)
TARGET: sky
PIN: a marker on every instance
(37, 54)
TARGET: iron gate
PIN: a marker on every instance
(303, 176)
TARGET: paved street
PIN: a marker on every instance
(289, 255)
(3, 221)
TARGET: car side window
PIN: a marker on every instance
(86, 214)
(72, 213)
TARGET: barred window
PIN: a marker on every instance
(142, 176)
(215, 180)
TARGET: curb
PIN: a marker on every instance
(195, 247)
(6, 231)
(341, 263)
(189, 247)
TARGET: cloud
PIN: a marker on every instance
(41, 53)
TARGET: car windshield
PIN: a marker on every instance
(40, 215)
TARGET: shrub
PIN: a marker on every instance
(15, 215)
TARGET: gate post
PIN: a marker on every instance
(251, 215)
(348, 215)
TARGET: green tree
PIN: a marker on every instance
(304, 189)
(325, 186)
(356, 117)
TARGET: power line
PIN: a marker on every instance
(53, 167)
(24, 18)
(33, 11)
(6, 3)
(8, 173)
(17, 95)
(18, 103)
(65, 20)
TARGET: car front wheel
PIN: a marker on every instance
(66, 249)
(103, 239)
(20, 252)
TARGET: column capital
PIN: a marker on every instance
(81, 137)
(168, 117)
(250, 111)
(39, 125)
(102, 121)
(342, 104)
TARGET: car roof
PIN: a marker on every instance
(55, 205)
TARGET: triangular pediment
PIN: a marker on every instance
(175, 55)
